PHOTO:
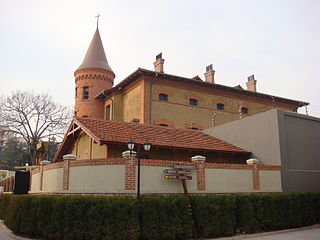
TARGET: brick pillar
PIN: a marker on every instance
(255, 173)
(130, 169)
(201, 171)
(130, 174)
(41, 176)
(66, 170)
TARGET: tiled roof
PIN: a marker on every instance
(105, 131)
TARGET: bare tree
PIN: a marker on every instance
(33, 117)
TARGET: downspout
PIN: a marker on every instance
(151, 88)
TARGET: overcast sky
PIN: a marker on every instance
(43, 42)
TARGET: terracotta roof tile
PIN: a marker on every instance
(122, 132)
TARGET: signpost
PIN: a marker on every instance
(178, 172)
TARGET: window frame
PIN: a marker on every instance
(193, 102)
(85, 92)
(220, 106)
(163, 97)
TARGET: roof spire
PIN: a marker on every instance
(95, 56)
(98, 16)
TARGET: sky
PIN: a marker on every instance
(42, 43)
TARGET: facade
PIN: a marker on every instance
(281, 138)
(158, 98)
(165, 110)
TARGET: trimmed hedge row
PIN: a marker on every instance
(156, 216)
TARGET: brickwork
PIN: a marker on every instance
(130, 174)
(97, 80)
(130, 170)
(66, 170)
(255, 177)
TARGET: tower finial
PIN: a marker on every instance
(98, 16)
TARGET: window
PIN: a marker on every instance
(193, 102)
(108, 112)
(244, 110)
(163, 97)
(220, 106)
(85, 93)
(163, 125)
(76, 92)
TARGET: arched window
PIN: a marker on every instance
(85, 93)
(163, 97)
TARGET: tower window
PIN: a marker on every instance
(244, 110)
(85, 94)
(193, 102)
(108, 112)
(220, 106)
(163, 97)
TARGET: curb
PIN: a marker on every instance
(5, 230)
(255, 235)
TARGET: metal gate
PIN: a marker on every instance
(21, 183)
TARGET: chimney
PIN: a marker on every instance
(251, 84)
(209, 74)
(158, 64)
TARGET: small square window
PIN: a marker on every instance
(85, 94)
(163, 97)
(193, 102)
(220, 106)
(244, 110)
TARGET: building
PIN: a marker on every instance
(280, 138)
(150, 97)
(165, 110)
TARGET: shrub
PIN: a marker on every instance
(156, 216)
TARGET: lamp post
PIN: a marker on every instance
(146, 147)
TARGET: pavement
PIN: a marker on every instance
(305, 233)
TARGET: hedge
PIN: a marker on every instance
(156, 216)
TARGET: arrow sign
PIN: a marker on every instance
(177, 177)
(187, 167)
(175, 171)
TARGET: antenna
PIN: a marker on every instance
(98, 16)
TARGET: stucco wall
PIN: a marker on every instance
(99, 178)
(228, 180)
(178, 102)
(282, 138)
(35, 183)
(152, 181)
(300, 152)
(52, 180)
(258, 133)
(83, 150)
(270, 181)
(132, 104)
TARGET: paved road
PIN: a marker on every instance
(308, 233)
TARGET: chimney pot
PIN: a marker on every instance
(158, 64)
(209, 74)
(251, 84)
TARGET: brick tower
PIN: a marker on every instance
(92, 77)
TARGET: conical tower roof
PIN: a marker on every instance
(95, 56)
